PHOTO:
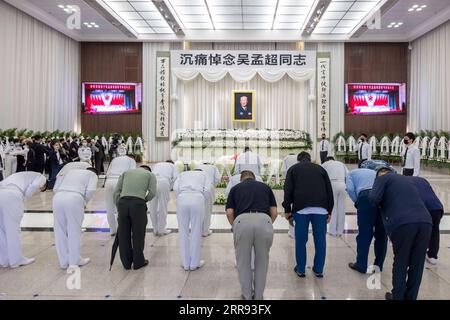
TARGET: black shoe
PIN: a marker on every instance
(353, 266)
(388, 296)
(300, 274)
(144, 265)
(317, 274)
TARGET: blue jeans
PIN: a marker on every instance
(319, 228)
(370, 225)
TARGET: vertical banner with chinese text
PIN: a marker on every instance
(323, 94)
(162, 95)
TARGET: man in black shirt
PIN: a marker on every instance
(40, 151)
(251, 210)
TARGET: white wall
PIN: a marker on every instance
(39, 74)
(430, 81)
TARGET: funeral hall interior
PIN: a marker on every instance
(222, 89)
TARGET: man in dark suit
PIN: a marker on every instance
(408, 224)
(436, 209)
(39, 154)
(244, 110)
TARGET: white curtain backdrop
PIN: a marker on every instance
(207, 105)
(429, 106)
(39, 80)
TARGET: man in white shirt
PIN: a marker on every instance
(13, 191)
(364, 150)
(191, 188)
(72, 192)
(337, 172)
(85, 152)
(72, 166)
(116, 168)
(288, 162)
(324, 148)
(214, 177)
(249, 161)
(411, 156)
(167, 170)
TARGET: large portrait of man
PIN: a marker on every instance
(243, 106)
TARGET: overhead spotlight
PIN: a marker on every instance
(417, 8)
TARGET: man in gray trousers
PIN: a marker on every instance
(251, 210)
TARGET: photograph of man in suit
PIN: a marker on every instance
(243, 106)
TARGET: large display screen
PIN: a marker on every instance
(375, 98)
(111, 97)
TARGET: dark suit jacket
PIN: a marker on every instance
(399, 200)
(243, 114)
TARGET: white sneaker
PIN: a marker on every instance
(208, 234)
(84, 261)
(432, 261)
(201, 264)
(165, 233)
(185, 268)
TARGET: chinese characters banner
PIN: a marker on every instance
(323, 94)
(232, 59)
(162, 95)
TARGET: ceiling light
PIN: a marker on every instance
(68, 8)
(395, 24)
(417, 8)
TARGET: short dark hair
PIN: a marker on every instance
(411, 136)
(246, 149)
(364, 135)
(304, 157)
(329, 158)
(247, 174)
(383, 169)
(146, 168)
(37, 137)
(170, 161)
(131, 156)
(92, 170)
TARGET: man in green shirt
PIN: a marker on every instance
(134, 189)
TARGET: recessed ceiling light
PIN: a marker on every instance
(417, 7)
(395, 24)
(68, 8)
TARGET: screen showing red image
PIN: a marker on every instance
(111, 98)
(375, 98)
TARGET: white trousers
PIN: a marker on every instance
(10, 165)
(190, 212)
(68, 209)
(111, 209)
(337, 222)
(209, 202)
(158, 207)
(11, 212)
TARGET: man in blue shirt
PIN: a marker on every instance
(370, 223)
(408, 224)
(436, 209)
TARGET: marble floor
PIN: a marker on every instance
(165, 279)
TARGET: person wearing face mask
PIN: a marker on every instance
(85, 152)
(324, 148)
(57, 160)
(13, 191)
(364, 150)
(411, 156)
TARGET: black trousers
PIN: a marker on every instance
(408, 172)
(323, 156)
(410, 243)
(433, 246)
(132, 220)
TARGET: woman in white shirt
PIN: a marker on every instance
(411, 156)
